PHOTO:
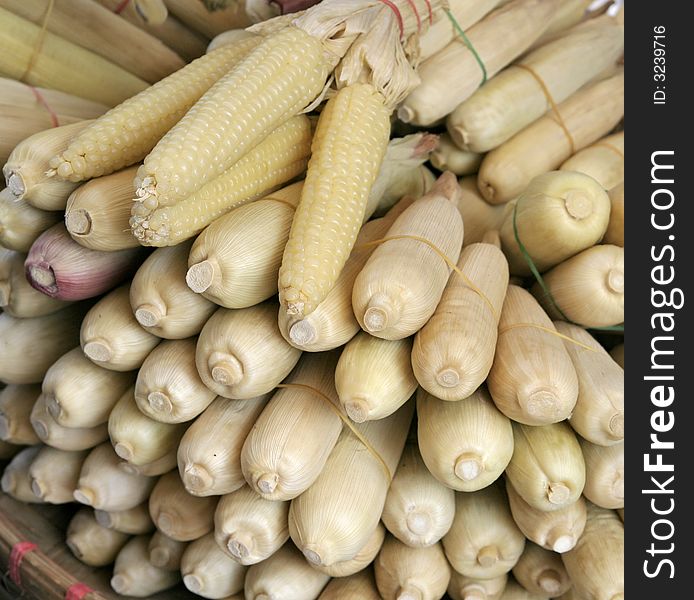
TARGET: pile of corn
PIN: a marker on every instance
(338, 375)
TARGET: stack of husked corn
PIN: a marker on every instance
(338, 375)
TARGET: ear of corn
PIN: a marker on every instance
(392, 298)
(466, 445)
(541, 572)
(16, 403)
(374, 377)
(54, 474)
(162, 465)
(362, 559)
(21, 223)
(234, 262)
(532, 379)
(111, 337)
(603, 161)
(232, 351)
(346, 153)
(599, 413)
(294, 70)
(15, 478)
(588, 288)
(104, 486)
(453, 353)
(209, 23)
(249, 528)
(471, 588)
(448, 157)
(419, 510)
(176, 513)
(478, 215)
(277, 159)
(164, 552)
(615, 228)
(289, 444)
(209, 572)
(209, 455)
(133, 521)
(604, 474)
(79, 393)
(128, 132)
(483, 541)
(360, 586)
(403, 572)
(90, 542)
(133, 574)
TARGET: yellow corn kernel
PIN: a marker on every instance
(280, 157)
(347, 152)
(125, 134)
(275, 82)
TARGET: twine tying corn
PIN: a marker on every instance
(468, 43)
(39, 41)
(345, 420)
(42, 101)
(617, 151)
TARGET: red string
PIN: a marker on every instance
(42, 101)
(431, 14)
(121, 7)
(77, 591)
(398, 16)
(16, 557)
(416, 14)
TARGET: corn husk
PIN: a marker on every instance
(404, 572)
(410, 184)
(176, 513)
(97, 212)
(157, 467)
(514, 591)
(249, 528)
(599, 413)
(136, 437)
(134, 521)
(603, 161)
(453, 74)
(16, 404)
(233, 347)
(587, 288)
(547, 468)
(285, 575)
(209, 572)
(22, 360)
(15, 477)
(17, 297)
(134, 575)
(168, 387)
(615, 228)
(360, 586)
(543, 146)
(556, 530)
(361, 560)
(21, 223)
(532, 380)
(90, 542)
(64, 438)
(541, 572)
(479, 216)
(596, 564)
(332, 323)
(54, 474)
(466, 445)
(206, 22)
(448, 157)
(374, 377)
(110, 335)
(162, 302)
(79, 393)
(289, 444)
(104, 486)
(484, 540)
(488, 119)
(61, 65)
(470, 588)
(604, 474)
(453, 353)
(419, 510)
(402, 282)
(617, 354)
(25, 170)
(558, 215)
(166, 553)
(329, 522)
(209, 455)
(236, 260)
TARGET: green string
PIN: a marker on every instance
(543, 285)
(468, 43)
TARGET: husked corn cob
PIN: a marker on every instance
(347, 151)
(280, 157)
(126, 133)
(274, 82)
